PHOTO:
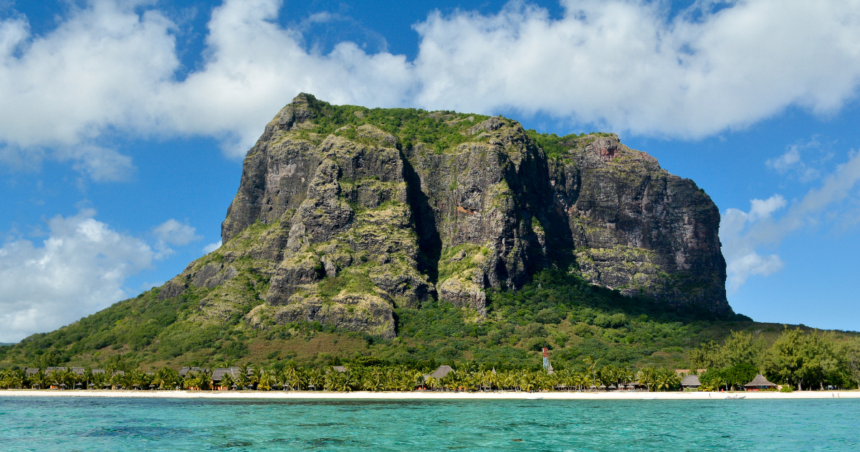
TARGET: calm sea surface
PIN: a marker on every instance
(64, 424)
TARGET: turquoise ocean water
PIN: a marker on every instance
(98, 424)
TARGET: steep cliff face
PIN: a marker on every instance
(637, 228)
(344, 213)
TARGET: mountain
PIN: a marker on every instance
(352, 212)
(373, 223)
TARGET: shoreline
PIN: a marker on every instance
(362, 395)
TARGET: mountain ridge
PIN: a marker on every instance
(356, 220)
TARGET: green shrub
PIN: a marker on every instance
(547, 316)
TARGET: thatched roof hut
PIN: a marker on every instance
(441, 372)
(760, 382)
(30, 371)
(691, 381)
(184, 371)
(218, 374)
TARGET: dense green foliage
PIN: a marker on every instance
(356, 376)
(441, 130)
(557, 310)
(796, 358)
(555, 146)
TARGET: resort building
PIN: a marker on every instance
(185, 370)
(219, 374)
(691, 382)
(759, 383)
(440, 373)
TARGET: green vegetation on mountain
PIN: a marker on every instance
(411, 238)
(572, 318)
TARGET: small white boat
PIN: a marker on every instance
(534, 398)
(650, 398)
(735, 397)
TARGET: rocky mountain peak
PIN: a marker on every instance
(345, 213)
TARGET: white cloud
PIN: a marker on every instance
(786, 161)
(211, 247)
(744, 234)
(172, 232)
(79, 269)
(793, 164)
(763, 209)
(97, 70)
(624, 64)
(175, 233)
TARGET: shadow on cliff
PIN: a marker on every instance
(429, 241)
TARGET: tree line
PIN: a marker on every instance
(802, 360)
(353, 378)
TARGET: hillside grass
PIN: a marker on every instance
(556, 310)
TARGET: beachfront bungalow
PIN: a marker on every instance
(185, 370)
(691, 382)
(218, 376)
(759, 383)
(441, 372)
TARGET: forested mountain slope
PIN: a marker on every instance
(406, 236)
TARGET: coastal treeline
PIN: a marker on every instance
(556, 310)
(796, 360)
(355, 377)
(803, 360)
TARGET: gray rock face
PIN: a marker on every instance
(355, 223)
(637, 228)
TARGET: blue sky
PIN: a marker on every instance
(126, 122)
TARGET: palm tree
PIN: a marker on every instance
(255, 373)
(243, 379)
(136, 378)
(99, 380)
(11, 379)
(87, 377)
(592, 369)
(666, 379)
(431, 383)
(38, 379)
(526, 382)
(313, 378)
(117, 379)
(647, 376)
(166, 378)
(266, 380)
(227, 381)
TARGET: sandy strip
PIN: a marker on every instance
(423, 395)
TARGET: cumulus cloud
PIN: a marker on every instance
(742, 258)
(211, 247)
(792, 162)
(173, 232)
(78, 269)
(625, 64)
(745, 234)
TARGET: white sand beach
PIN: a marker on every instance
(426, 395)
